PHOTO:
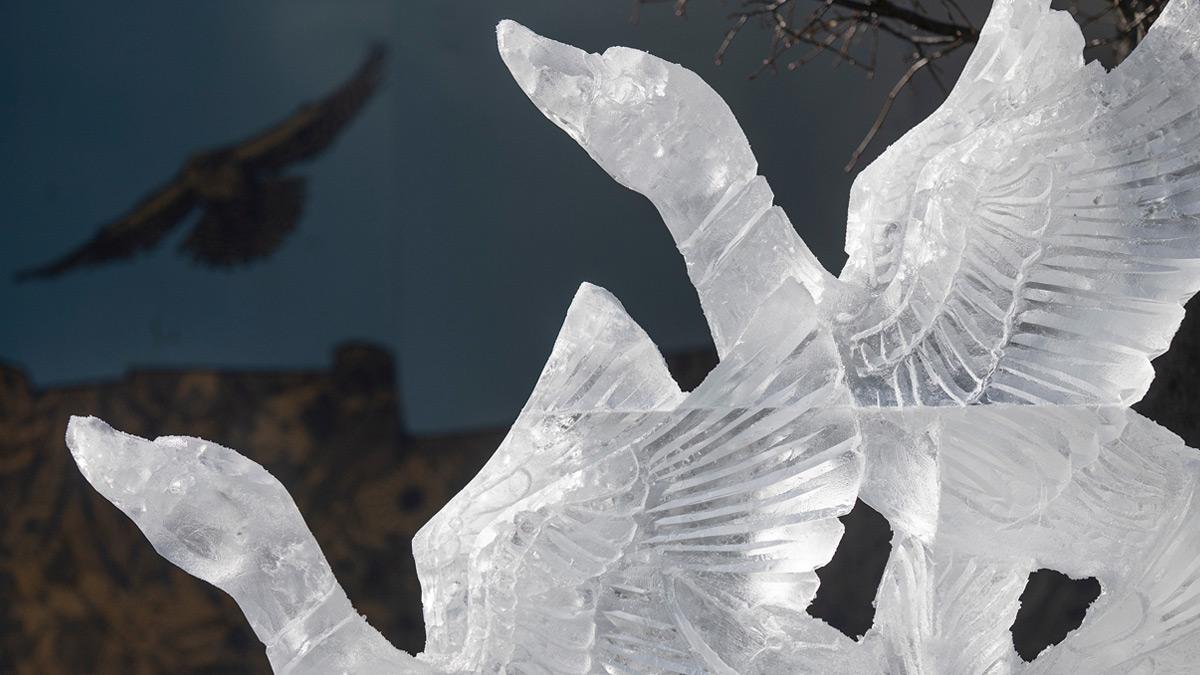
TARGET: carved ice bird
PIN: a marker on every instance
(248, 203)
(1015, 261)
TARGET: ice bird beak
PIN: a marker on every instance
(84, 436)
(114, 463)
(560, 79)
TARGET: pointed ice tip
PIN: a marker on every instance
(506, 28)
(83, 432)
(515, 43)
(85, 439)
(589, 290)
(591, 299)
(558, 78)
(115, 463)
(592, 302)
(512, 37)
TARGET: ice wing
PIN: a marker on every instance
(510, 567)
(1145, 534)
(658, 129)
(1034, 240)
(625, 526)
(746, 483)
(939, 611)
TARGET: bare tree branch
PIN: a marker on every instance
(848, 31)
(891, 98)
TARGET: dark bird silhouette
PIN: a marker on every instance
(248, 205)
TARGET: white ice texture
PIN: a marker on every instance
(1015, 261)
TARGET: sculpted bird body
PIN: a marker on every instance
(1015, 261)
(248, 204)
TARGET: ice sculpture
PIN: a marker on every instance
(1015, 261)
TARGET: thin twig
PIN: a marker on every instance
(840, 28)
(891, 99)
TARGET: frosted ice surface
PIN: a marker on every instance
(1015, 261)
(623, 524)
(224, 519)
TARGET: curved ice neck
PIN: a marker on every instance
(303, 616)
(331, 637)
(308, 630)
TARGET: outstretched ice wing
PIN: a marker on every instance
(509, 567)
(746, 482)
(1034, 240)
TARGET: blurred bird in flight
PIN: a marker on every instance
(248, 204)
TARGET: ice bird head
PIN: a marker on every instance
(204, 507)
(653, 125)
(118, 465)
(558, 78)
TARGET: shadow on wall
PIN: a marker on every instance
(82, 591)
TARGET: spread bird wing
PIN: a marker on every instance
(136, 231)
(255, 222)
(1109, 495)
(746, 484)
(1130, 520)
(1034, 240)
(313, 127)
(658, 129)
(509, 566)
(623, 525)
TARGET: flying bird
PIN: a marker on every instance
(248, 203)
